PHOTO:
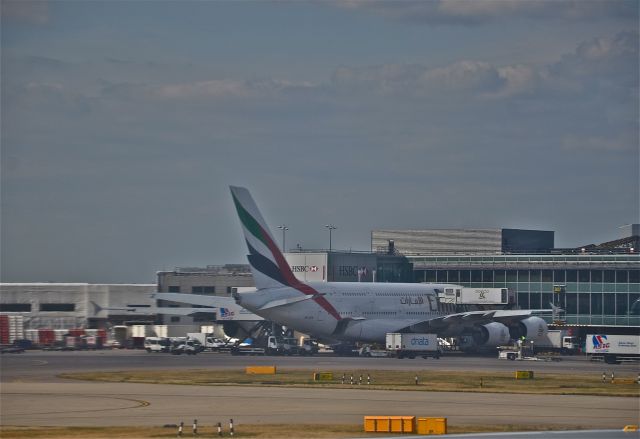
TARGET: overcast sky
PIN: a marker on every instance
(124, 123)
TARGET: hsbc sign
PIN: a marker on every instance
(304, 268)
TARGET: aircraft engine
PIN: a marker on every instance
(533, 328)
(491, 335)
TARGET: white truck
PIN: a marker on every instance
(208, 341)
(558, 340)
(613, 349)
(412, 345)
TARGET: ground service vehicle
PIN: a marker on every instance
(413, 345)
(208, 341)
(262, 346)
(182, 345)
(308, 347)
(558, 341)
(613, 349)
(369, 351)
(157, 344)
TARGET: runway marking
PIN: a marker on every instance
(139, 402)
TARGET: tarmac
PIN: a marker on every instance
(33, 395)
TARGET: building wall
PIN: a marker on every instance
(71, 305)
(599, 289)
(414, 242)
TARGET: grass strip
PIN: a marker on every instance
(265, 431)
(432, 381)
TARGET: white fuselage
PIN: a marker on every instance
(372, 309)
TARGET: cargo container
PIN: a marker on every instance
(613, 349)
(412, 345)
(46, 337)
(11, 328)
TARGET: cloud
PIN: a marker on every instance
(611, 59)
(30, 12)
(474, 12)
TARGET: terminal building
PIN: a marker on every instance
(597, 286)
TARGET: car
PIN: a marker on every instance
(12, 350)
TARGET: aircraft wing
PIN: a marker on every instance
(196, 299)
(225, 307)
(451, 324)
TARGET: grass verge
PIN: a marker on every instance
(265, 431)
(433, 381)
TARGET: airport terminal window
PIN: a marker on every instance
(609, 304)
(430, 276)
(634, 304)
(547, 298)
(547, 276)
(465, 276)
(584, 303)
(572, 275)
(596, 303)
(523, 300)
(572, 304)
(634, 276)
(523, 276)
(175, 319)
(534, 275)
(499, 276)
(622, 304)
(583, 275)
(609, 276)
(441, 275)
(203, 290)
(454, 276)
(487, 276)
(559, 276)
(534, 300)
(476, 276)
(174, 288)
(512, 276)
(622, 276)
(15, 307)
(59, 307)
(596, 275)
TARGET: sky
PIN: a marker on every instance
(124, 123)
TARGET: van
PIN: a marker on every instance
(157, 344)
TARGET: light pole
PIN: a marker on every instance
(330, 227)
(284, 228)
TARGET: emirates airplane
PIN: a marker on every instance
(349, 311)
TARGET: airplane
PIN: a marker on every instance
(366, 312)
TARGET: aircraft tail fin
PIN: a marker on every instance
(268, 265)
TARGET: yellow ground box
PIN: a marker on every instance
(322, 376)
(630, 428)
(431, 426)
(260, 370)
(524, 374)
(370, 424)
(383, 424)
(387, 424)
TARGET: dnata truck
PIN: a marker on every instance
(412, 345)
(613, 349)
